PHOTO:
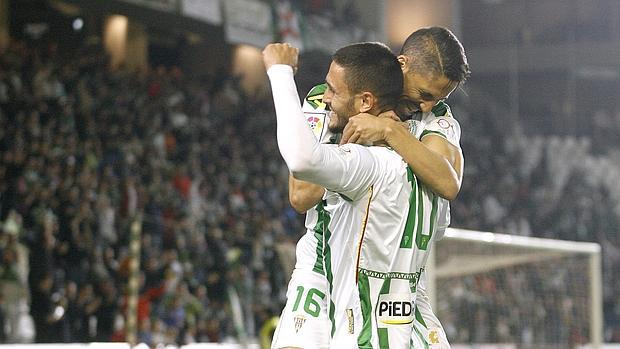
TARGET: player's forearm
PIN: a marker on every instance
(296, 141)
(433, 169)
(307, 160)
(303, 195)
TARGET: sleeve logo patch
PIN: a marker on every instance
(444, 124)
(316, 122)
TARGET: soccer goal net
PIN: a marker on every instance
(504, 291)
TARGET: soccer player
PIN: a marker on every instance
(374, 257)
(434, 64)
(309, 272)
(429, 57)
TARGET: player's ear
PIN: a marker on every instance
(404, 63)
(368, 101)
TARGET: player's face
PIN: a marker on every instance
(423, 91)
(337, 96)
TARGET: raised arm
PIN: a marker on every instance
(305, 195)
(296, 142)
(347, 169)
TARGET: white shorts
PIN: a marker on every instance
(304, 322)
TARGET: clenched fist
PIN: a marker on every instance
(280, 54)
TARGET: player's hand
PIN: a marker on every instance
(367, 129)
(280, 54)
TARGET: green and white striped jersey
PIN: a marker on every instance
(438, 122)
(371, 234)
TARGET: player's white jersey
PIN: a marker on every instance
(383, 239)
(439, 121)
(428, 331)
(378, 259)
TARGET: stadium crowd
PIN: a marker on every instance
(537, 183)
(84, 150)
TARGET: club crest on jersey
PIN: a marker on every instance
(299, 321)
(395, 309)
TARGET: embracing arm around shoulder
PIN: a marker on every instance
(436, 161)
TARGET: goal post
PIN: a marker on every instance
(516, 291)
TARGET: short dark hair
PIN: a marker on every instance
(372, 67)
(436, 50)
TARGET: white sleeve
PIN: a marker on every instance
(446, 127)
(349, 169)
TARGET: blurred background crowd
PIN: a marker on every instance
(86, 146)
(83, 149)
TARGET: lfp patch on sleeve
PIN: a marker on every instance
(316, 122)
(315, 111)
